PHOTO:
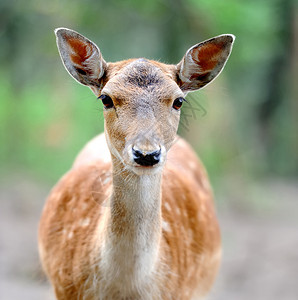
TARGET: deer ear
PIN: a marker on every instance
(203, 62)
(81, 57)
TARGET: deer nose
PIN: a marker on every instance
(147, 158)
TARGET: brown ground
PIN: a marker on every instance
(260, 238)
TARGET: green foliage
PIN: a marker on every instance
(45, 130)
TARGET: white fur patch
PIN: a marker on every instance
(85, 222)
(167, 206)
(70, 235)
(106, 180)
(165, 226)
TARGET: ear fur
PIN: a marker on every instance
(81, 58)
(203, 62)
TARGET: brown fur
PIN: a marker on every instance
(191, 248)
(113, 228)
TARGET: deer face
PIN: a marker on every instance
(141, 98)
(141, 115)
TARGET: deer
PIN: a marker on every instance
(134, 217)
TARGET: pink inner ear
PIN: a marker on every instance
(81, 51)
(207, 56)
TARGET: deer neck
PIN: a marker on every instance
(133, 226)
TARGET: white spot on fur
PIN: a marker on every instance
(217, 255)
(165, 226)
(84, 206)
(167, 206)
(205, 183)
(85, 222)
(106, 180)
(192, 165)
(70, 235)
(58, 195)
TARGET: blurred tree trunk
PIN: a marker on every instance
(294, 85)
(280, 87)
(12, 127)
(181, 26)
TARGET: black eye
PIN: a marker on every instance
(178, 103)
(106, 101)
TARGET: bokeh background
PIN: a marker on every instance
(243, 126)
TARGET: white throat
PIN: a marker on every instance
(130, 251)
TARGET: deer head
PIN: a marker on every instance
(141, 98)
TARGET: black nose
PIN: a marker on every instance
(147, 159)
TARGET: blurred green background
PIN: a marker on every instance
(46, 117)
(243, 126)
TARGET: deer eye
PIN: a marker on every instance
(106, 101)
(178, 103)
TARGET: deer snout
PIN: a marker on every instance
(146, 159)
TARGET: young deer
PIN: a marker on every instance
(134, 217)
